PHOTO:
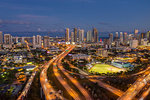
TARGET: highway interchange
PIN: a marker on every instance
(51, 94)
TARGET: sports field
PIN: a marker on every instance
(104, 68)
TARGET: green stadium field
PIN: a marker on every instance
(104, 68)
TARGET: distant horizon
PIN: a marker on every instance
(58, 34)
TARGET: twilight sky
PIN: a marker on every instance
(56, 15)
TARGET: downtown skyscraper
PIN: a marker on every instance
(75, 34)
(46, 41)
(111, 37)
(67, 35)
(95, 35)
(37, 41)
(125, 40)
(136, 33)
(7, 39)
(89, 36)
(121, 37)
(72, 37)
(81, 35)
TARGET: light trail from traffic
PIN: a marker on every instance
(48, 89)
(72, 92)
(134, 89)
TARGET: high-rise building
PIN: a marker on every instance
(7, 39)
(136, 33)
(34, 42)
(125, 40)
(89, 36)
(111, 37)
(133, 43)
(148, 36)
(143, 35)
(75, 34)
(81, 35)
(1, 37)
(37, 41)
(46, 41)
(22, 39)
(121, 37)
(106, 43)
(95, 33)
(116, 37)
(67, 35)
(72, 37)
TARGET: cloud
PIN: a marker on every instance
(14, 22)
(31, 16)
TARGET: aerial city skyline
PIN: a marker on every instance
(74, 50)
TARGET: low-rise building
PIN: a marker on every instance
(80, 56)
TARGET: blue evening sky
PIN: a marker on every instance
(56, 15)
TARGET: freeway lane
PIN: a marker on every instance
(74, 81)
(62, 81)
(136, 87)
(50, 93)
(145, 94)
(108, 87)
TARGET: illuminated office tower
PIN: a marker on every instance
(121, 37)
(7, 39)
(37, 41)
(1, 37)
(125, 40)
(148, 36)
(81, 35)
(46, 41)
(111, 37)
(34, 42)
(116, 36)
(95, 35)
(75, 34)
(67, 35)
(72, 37)
(136, 33)
(89, 36)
